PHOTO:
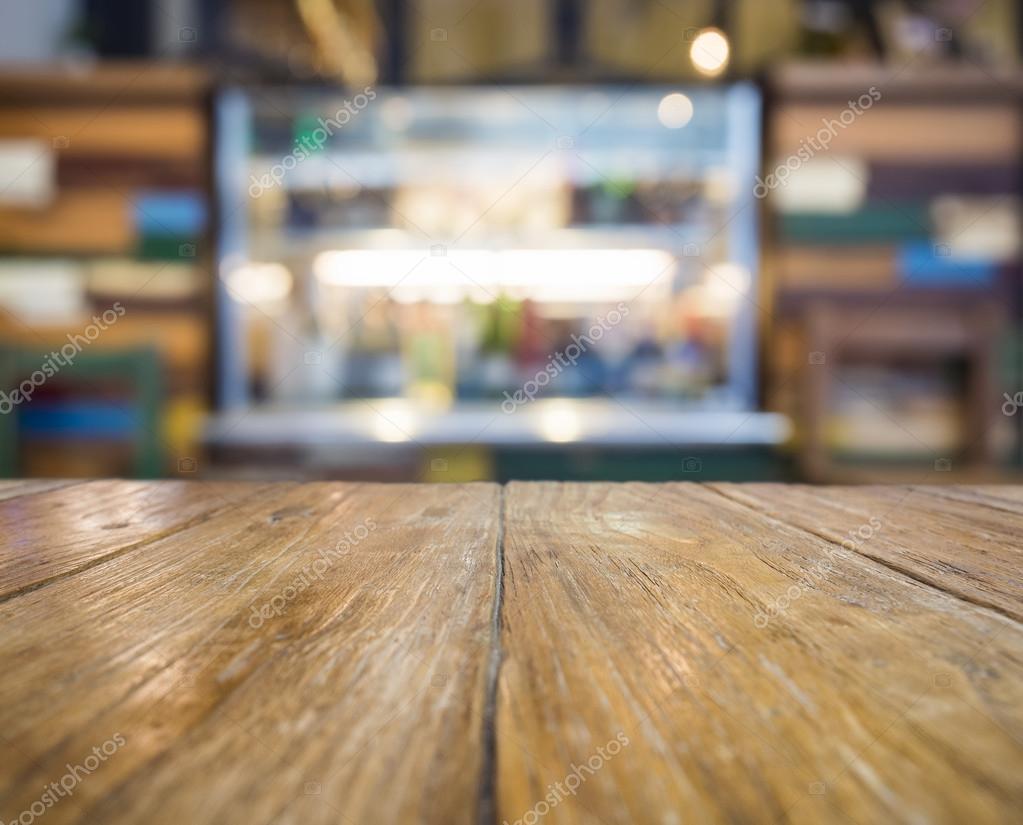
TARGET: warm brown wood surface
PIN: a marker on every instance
(966, 546)
(55, 533)
(14, 489)
(362, 702)
(540, 652)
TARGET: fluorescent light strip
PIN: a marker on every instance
(541, 274)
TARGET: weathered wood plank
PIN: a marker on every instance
(12, 488)
(955, 545)
(714, 651)
(757, 672)
(362, 701)
(58, 532)
(999, 497)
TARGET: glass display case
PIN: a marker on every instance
(489, 246)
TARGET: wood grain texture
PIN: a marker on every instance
(632, 611)
(28, 487)
(57, 532)
(361, 702)
(314, 653)
(939, 538)
(998, 497)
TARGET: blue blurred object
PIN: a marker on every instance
(170, 213)
(925, 264)
(81, 419)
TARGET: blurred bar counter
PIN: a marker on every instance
(584, 439)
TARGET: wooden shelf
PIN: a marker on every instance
(128, 82)
(180, 340)
(807, 81)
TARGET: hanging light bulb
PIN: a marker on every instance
(710, 52)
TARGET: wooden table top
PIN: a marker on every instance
(176, 652)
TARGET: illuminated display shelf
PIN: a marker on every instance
(408, 240)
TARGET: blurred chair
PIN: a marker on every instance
(901, 336)
(133, 417)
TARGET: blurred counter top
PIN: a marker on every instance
(549, 422)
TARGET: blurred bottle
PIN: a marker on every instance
(375, 367)
(531, 343)
(500, 336)
(429, 350)
(470, 320)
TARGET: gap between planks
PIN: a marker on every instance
(486, 810)
(889, 565)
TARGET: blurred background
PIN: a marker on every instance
(451, 240)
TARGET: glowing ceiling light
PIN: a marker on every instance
(710, 52)
(413, 269)
(547, 275)
(675, 110)
(552, 275)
